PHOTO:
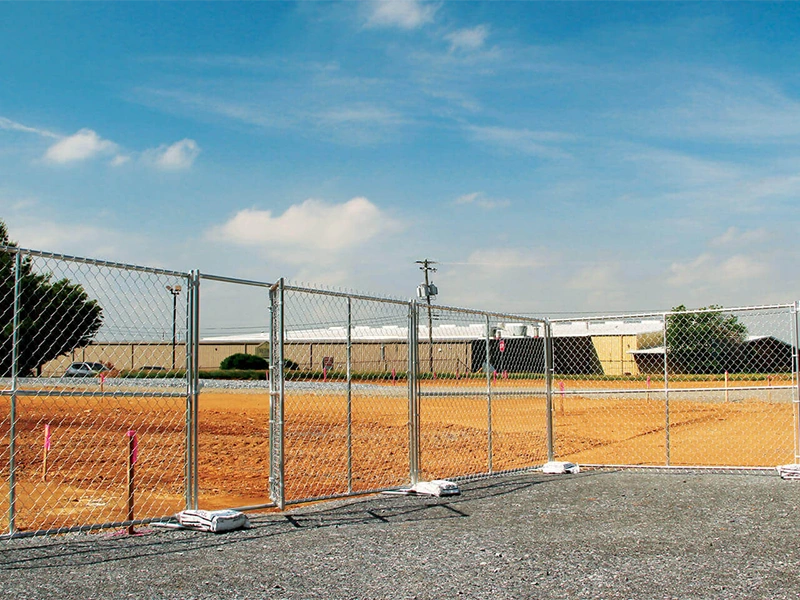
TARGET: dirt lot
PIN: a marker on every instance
(86, 471)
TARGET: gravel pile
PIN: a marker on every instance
(591, 535)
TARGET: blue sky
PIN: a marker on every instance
(553, 157)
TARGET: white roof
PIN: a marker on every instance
(448, 332)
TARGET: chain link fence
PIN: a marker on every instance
(114, 408)
(482, 394)
(345, 394)
(707, 388)
(87, 436)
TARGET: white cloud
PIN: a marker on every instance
(83, 145)
(309, 227)
(601, 286)
(405, 14)
(175, 157)
(709, 270)
(733, 236)
(468, 39)
(87, 144)
(361, 114)
(492, 259)
(10, 125)
(505, 277)
(538, 143)
(730, 107)
(480, 199)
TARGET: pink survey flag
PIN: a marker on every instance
(47, 436)
(131, 433)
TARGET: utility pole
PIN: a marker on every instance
(425, 265)
(175, 290)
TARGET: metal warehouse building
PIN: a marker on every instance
(588, 347)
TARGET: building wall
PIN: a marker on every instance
(612, 352)
(120, 356)
(448, 357)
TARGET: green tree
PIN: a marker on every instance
(703, 342)
(54, 318)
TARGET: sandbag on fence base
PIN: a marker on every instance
(560, 468)
(215, 521)
(789, 471)
(437, 487)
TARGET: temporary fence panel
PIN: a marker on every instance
(519, 408)
(707, 388)
(98, 440)
(732, 387)
(481, 387)
(107, 418)
(607, 407)
(234, 408)
(345, 402)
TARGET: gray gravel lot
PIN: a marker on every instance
(591, 535)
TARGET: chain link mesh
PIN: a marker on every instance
(479, 416)
(688, 388)
(234, 403)
(354, 393)
(90, 338)
(346, 398)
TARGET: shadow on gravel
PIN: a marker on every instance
(378, 510)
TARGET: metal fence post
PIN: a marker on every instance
(12, 436)
(349, 396)
(193, 377)
(795, 313)
(190, 391)
(276, 394)
(548, 388)
(488, 393)
(666, 394)
(413, 394)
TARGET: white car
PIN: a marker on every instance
(85, 369)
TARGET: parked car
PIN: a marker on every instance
(85, 369)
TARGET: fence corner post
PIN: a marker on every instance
(413, 394)
(276, 395)
(548, 388)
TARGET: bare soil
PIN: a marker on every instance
(87, 463)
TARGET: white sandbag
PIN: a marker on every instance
(437, 487)
(789, 471)
(559, 468)
(215, 521)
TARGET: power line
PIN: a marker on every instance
(425, 265)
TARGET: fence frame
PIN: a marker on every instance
(276, 307)
(793, 310)
(14, 393)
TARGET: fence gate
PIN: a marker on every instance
(85, 440)
(482, 392)
(345, 398)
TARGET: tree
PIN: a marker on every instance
(54, 317)
(703, 342)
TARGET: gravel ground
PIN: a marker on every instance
(591, 535)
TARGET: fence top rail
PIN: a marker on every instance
(668, 313)
(237, 280)
(351, 295)
(92, 261)
(485, 313)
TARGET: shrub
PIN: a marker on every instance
(244, 361)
